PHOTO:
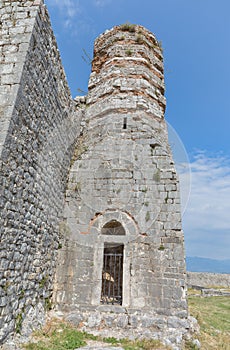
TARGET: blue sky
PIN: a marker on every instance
(195, 36)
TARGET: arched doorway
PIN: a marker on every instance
(112, 271)
(114, 232)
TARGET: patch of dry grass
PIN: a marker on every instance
(213, 315)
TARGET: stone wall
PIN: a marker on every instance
(204, 279)
(16, 25)
(39, 124)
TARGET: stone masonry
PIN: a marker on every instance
(87, 180)
(123, 176)
(38, 128)
(207, 279)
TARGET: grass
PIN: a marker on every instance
(212, 313)
(136, 344)
(59, 335)
(128, 27)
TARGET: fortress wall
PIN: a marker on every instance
(206, 279)
(16, 24)
(39, 124)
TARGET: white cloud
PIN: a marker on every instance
(206, 219)
(68, 8)
(73, 17)
(101, 3)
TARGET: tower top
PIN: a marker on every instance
(130, 42)
(127, 64)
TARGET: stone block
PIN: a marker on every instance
(75, 318)
(94, 320)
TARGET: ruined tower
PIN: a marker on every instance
(89, 198)
(122, 259)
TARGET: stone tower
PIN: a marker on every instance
(89, 198)
(122, 262)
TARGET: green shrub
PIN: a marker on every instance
(147, 216)
(128, 52)
(18, 322)
(128, 27)
(139, 39)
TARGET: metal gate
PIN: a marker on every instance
(112, 275)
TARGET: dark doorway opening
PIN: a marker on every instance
(112, 274)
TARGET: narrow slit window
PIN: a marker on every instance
(125, 123)
(112, 274)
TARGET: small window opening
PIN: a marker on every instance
(112, 274)
(125, 123)
(154, 145)
(113, 227)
